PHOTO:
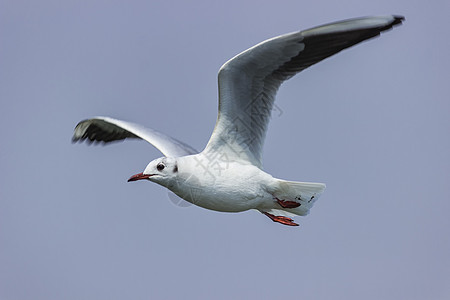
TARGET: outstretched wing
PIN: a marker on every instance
(249, 81)
(104, 129)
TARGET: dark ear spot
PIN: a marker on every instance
(175, 169)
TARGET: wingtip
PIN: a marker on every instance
(394, 20)
(76, 139)
(398, 19)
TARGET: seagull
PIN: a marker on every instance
(228, 176)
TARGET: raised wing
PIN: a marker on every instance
(249, 81)
(104, 129)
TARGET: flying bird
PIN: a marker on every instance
(228, 175)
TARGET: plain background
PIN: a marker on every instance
(371, 122)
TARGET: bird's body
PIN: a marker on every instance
(224, 186)
(227, 175)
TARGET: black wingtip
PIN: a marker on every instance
(398, 20)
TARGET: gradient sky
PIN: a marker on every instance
(371, 122)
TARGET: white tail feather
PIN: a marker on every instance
(304, 193)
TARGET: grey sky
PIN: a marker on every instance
(371, 122)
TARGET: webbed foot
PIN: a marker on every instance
(287, 204)
(281, 219)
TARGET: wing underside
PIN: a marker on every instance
(248, 82)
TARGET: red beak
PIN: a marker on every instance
(139, 177)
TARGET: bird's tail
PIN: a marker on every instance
(294, 193)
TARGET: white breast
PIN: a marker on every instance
(221, 185)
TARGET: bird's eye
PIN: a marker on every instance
(160, 167)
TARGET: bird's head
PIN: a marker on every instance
(161, 170)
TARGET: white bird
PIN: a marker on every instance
(227, 175)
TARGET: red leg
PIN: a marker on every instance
(281, 219)
(287, 204)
